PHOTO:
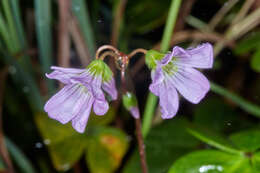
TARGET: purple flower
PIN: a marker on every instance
(134, 112)
(175, 71)
(83, 89)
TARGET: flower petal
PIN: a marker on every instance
(59, 97)
(68, 70)
(64, 75)
(100, 107)
(135, 112)
(169, 100)
(110, 88)
(199, 57)
(157, 79)
(191, 83)
(67, 105)
(80, 121)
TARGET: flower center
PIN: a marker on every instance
(170, 68)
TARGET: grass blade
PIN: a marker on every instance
(80, 10)
(43, 28)
(244, 104)
(20, 159)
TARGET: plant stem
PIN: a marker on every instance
(168, 31)
(141, 146)
(138, 125)
(170, 23)
(63, 37)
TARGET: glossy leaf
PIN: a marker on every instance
(106, 150)
(248, 141)
(213, 139)
(65, 145)
(255, 61)
(211, 161)
(164, 144)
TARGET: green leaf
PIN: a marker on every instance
(256, 161)
(255, 61)
(102, 120)
(213, 139)
(249, 43)
(19, 157)
(164, 144)
(106, 150)
(214, 114)
(211, 161)
(248, 141)
(65, 144)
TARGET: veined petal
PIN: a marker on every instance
(96, 87)
(64, 75)
(60, 97)
(68, 70)
(79, 122)
(157, 79)
(199, 57)
(100, 105)
(68, 105)
(169, 100)
(85, 77)
(191, 83)
(110, 88)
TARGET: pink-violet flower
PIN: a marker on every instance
(176, 71)
(83, 90)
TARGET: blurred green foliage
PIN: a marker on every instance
(221, 134)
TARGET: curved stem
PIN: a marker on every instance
(139, 50)
(109, 53)
(104, 47)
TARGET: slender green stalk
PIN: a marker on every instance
(3, 31)
(80, 10)
(168, 31)
(43, 28)
(11, 26)
(244, 104)
(18, 22)
(215, 141)
(170, 23)
(196, 23)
